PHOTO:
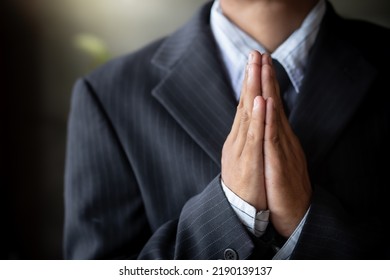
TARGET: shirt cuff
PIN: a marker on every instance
(285, 252)
(256, 222)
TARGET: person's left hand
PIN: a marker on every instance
(287, 182)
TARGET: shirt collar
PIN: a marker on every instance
(235, 45)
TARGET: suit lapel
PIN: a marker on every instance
(195, 90)
(336, 82)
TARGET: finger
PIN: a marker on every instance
(274, 92)
(254, 57)
(278, 129)
(271, 126)
(253, 152)
(253, 81)
(270, 89)
(253, 89)
(267, 60)
(268, 78)
(253, 149)
(275, 141)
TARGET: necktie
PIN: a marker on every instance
(288, 97)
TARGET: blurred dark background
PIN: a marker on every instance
(45, 46)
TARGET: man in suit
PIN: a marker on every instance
(301, 175)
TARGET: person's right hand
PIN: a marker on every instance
(242, 154)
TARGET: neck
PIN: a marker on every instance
(268, 22)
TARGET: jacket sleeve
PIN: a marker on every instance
(104, 212)
(206, 229)
(331, 232)
(105, 217)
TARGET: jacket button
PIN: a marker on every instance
(230, 254)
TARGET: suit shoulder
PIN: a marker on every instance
(369, 37)
(365, 28)
(125, 67)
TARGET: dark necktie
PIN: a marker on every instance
(288, 98)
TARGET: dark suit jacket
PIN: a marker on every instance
(146, 132)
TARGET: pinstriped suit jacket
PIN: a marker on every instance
(145, 137)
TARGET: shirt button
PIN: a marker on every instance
(230, 254)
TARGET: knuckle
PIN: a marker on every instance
(251, 137)
(274, 139)
(245, 116)
(226, 147)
